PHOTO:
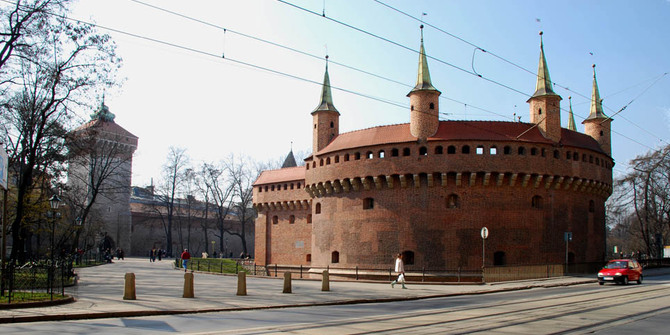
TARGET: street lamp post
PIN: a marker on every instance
(54, 203)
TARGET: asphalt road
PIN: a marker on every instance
(581, 309)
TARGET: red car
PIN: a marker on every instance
(621, 271)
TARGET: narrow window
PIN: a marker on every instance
(431, 106)
(479, 150)
(346, 157)
(539, 111)
(381, 154)
(465, 149)
(452, 201)
(411, 107)
(584, 158)
(394, 152)
(309, 218)
(507, 150)
(308, 258)
(543, 152)
(317, 209)
(335, 257)
(337, 159)
(357, 156)
(601, 133)
(260, 188)
(438, 150)
(568, 155)
(313, 164)
(266, 188)
(451, 150)
(332, 124)
(557, 154)
(575, 157)
(522, 151)
(597, 161)
(298, 185)
(370, 155)
(272, 188)
(275, 219)
(533, 151)
(423, 151)
(328, 161)
(291, 219)
(368, 203)
(292, 185)
(405, 152)
(536, 202)
(285, 187)
(493, 151)
(321, 162)
(591, 159)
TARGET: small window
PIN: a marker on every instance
(423, 151)
(272, 188)
(584, 158)
(321, 162)
(309, 218)
(368, 203)
(394, 152)
(432, 106)
(507, 150)
(275, 219)
(298, 185)
(405, 152)
(557, 154)
(411, 107)
(260, 188)
(539, 111)
(291, 219)
(307, 166)
(575, 157)
(568, 155)
(451, 150)
(381, 154)
(597, 161)
(357, 156)
(465, 149)
(292, 185)
(592, 206)
(601, 133)
(543, 152)
(266, 188)
(315, 126)
(370, 155)
(438, 150)
(533, 151)
(285, 187)
(337, 159)
(346, 157)
(493, 151)
(452, 201)
(335, 257)
(332, 124)
(536, 202)
(522, 151)
(328, 161)
(591, 159)
(313, 164)
(308, 258)
(317, 208)
(479, 150)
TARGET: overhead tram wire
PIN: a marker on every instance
(305, 54)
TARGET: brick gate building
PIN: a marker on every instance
(427, 187)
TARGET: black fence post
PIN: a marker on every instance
(237, 267)
(254, 269)
(423, 274)
(300, 271)
(390, 275)
(356, 272)
(459, 274)
(275, 269)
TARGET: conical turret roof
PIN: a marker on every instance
(543, 86)
(596, 103)
(326, 103)
(423, 82)
(571, 118)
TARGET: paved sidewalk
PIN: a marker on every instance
(159, 292)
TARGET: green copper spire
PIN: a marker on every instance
(596, 102)
(571, 120)
(543, 86)
(326, 103)
(103, 112)
(423, 78)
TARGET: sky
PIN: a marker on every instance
(249, 89)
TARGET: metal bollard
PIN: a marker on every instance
(188, 285)
(325, 282)
(287, 282)
(241, 283)
(129, 290)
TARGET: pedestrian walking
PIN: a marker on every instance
(185, 257)
(400, 269)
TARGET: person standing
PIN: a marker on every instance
(400, 269)
(185, 257)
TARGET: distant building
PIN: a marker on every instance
(104, 153)
(426, 188)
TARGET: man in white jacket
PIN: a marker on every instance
(400, 269)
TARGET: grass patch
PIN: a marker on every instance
(216, 265)
(21, 297)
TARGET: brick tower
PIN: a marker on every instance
(545, 104)
(424, 101)
(597, 124)
(325, 117)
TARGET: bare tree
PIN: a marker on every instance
(221, 190)
(242, 177)
(173, 173)
(59, 67)
(646, 192)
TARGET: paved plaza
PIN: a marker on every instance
(159, 290)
